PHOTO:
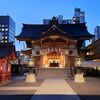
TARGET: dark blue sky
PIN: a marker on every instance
(34, 11)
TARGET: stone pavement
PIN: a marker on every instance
(56, 89)
(51, 89)
(55, 86)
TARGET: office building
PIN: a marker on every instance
(97, 32)
(7, 27)
(59, 18)
(0, 37)
(79, 16)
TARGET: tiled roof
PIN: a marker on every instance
(32, 31)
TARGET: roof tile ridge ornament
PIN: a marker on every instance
(54, 20)
(54, 27)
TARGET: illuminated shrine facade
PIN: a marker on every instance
(54, 44)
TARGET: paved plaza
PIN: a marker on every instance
(51, 89)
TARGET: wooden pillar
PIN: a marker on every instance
(66, 61)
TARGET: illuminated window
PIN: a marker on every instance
(5, 41)
(74, 18)
(6, 29)
(2, 41)
(2, 29)
(2, 25)
(69, 21)
(73, 22)
(6, 37)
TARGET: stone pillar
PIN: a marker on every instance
(30, 78)
(79, 76)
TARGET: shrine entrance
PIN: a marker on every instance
(54, 63)
(54, 60)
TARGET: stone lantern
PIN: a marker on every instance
(79, 74)
(31, 74)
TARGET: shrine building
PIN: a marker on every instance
(54, 44)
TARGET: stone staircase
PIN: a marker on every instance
(52, 73)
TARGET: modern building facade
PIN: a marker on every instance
(79, 16)
(1, 37)
(60, 19)
(96, 33)
(7, 27)
(54, 44)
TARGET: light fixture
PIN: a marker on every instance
(87, 53)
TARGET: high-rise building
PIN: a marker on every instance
(60, 19)
(0, 37)
(77, 12)
(96, 33)
(82, 17)
(79, 16)
(7, 27)
(46, 21)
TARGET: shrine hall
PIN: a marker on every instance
(54, 45)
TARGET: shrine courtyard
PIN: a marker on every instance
(50, 89)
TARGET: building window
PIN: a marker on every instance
(2, 41)
(6, 29)
(6, 25)
(2, 25)
(6, 33)
(2, 37)
(6, 41)
(73, 22)
(2, 29)
(74, 18)
(6, 37)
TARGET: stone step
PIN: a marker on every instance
(52, 73)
